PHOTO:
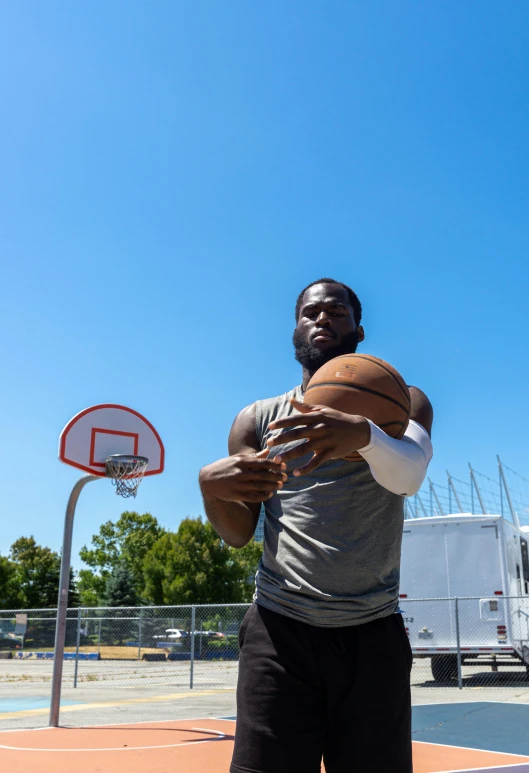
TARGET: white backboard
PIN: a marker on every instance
(103, 430)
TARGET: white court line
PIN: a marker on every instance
(219, 737)
(493, 768)
(462, 703)
(524, 757)
(115, 724)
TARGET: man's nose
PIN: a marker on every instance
(323, 319)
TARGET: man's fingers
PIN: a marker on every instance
(295, 421)
(253, 486)
(255, 463)
(289, 435)
(264, 476)
(301, 407)
(257, 491)
(298, 451)
(262, 454)
(317, 459)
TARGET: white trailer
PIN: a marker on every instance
(465, 588)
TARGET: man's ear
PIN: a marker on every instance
(361, 334)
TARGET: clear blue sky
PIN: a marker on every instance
(174, 173)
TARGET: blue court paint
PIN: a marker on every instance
(509, 769)
(495, 727)
(28, 702)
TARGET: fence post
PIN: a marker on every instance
(458, 639)
(192, 659)
(77, 646)
(139, 634)
(99, 639)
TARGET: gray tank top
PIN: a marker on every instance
(332, 539)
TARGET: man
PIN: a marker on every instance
(325, 660)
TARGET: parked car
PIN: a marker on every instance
(171, 633)
(9, 642)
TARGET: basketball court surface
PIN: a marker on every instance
(448, 738)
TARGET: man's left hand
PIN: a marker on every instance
(329, 434)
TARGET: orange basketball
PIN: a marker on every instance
(366, 386)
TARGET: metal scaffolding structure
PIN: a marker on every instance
(508, 496)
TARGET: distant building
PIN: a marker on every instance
(259, 532)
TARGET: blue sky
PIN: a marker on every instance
(174, 173)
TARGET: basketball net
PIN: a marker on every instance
(126, 473)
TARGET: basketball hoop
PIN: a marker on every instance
(104, 441)
(126, 472)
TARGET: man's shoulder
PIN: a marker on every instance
(272, 408)
(296, 392)
(421, 408)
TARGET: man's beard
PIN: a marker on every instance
(312, 358)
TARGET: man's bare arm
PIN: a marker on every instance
(234, 488)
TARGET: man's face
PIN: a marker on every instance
(326, 326)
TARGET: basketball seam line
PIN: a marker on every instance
(368, 358)
(361, 389)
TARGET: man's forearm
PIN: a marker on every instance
(233, 521)
(399, 465)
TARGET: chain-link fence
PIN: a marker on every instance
(468, 642)
(465, 642)
(182, 647)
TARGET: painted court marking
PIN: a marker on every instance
(30, 703)
(108, 704)
(217, 736)
(509, 768)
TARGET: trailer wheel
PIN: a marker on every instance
(444, 667)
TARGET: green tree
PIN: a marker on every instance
(248, 559)
(125, 542)
(37, 575)
(11, 596)
(91, 588)
(194, 566)
(120, 590)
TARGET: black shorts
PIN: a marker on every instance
(339, 694)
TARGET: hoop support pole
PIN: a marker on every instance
(62, 603)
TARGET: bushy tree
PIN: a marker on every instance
(11, 596)
(120, 590)
(248, 558)
(125, 542)
(91, 588)
(194, 566)
(37, 572)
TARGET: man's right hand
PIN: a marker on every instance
(243, 478)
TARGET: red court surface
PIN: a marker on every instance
(188, 746)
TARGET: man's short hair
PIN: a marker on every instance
(353, 297)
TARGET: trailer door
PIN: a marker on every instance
(474, 568)
(427, 614)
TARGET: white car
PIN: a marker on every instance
(171, 633)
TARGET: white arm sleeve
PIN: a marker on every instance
(399, 465)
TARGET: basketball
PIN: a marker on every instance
(366, 386)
